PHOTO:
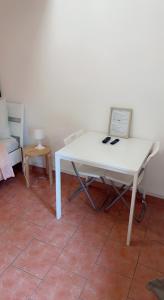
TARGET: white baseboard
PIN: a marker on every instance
(156, 195)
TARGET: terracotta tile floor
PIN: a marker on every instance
(81, 257)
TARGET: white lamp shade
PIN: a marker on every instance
(38, 134)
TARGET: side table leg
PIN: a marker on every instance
(49, 165)
(46, 164)
(58, 187)
(26, 171)
(24, 165)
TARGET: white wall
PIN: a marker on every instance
(70, 60)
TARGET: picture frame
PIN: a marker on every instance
(120, 122)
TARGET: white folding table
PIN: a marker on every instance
(126, 157)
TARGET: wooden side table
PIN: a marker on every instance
(31, 151)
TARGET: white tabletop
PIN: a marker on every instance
(127, 156)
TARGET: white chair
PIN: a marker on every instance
(88, 172)
(126, 182)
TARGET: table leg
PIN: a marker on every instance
(58, 186)
(132, 207)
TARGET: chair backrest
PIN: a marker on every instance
(154, 151)
(69, 139)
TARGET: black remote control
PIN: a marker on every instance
(106, 140)
(114, 142)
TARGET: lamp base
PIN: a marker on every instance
(39, 147)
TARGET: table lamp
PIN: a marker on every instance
(39, 136)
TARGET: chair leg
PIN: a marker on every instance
(80, 189)
(102, 180)
(140, 217)
(84, 188)
(144, 195)
(75, 193)
(120, 196)
(116, 199)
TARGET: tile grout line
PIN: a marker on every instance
(62, 249)
(54, 264)
(51, 265)
(100, 251)
(41, 279)
(137, 263)
(12, 265)
(131, 280)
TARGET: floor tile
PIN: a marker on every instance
(59, 284)
(20, 233)
(8, 215)
(119, 258)
(17, 285)
(39, 215)
(141, 278)
(91, 239)
(92, 225)
(92, 232)
(155, 231)
(119, 232)
(101, 218)
(37, 258)
(156, 211)
(57, 233)
(78, 206)
(152, 255)
(8, 253)
(155, 202)
(27, 201)
(73, 216)
(85, 250)
(105, 285)
(43, 195)
(78, 257)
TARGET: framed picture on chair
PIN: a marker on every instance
(120, 122)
